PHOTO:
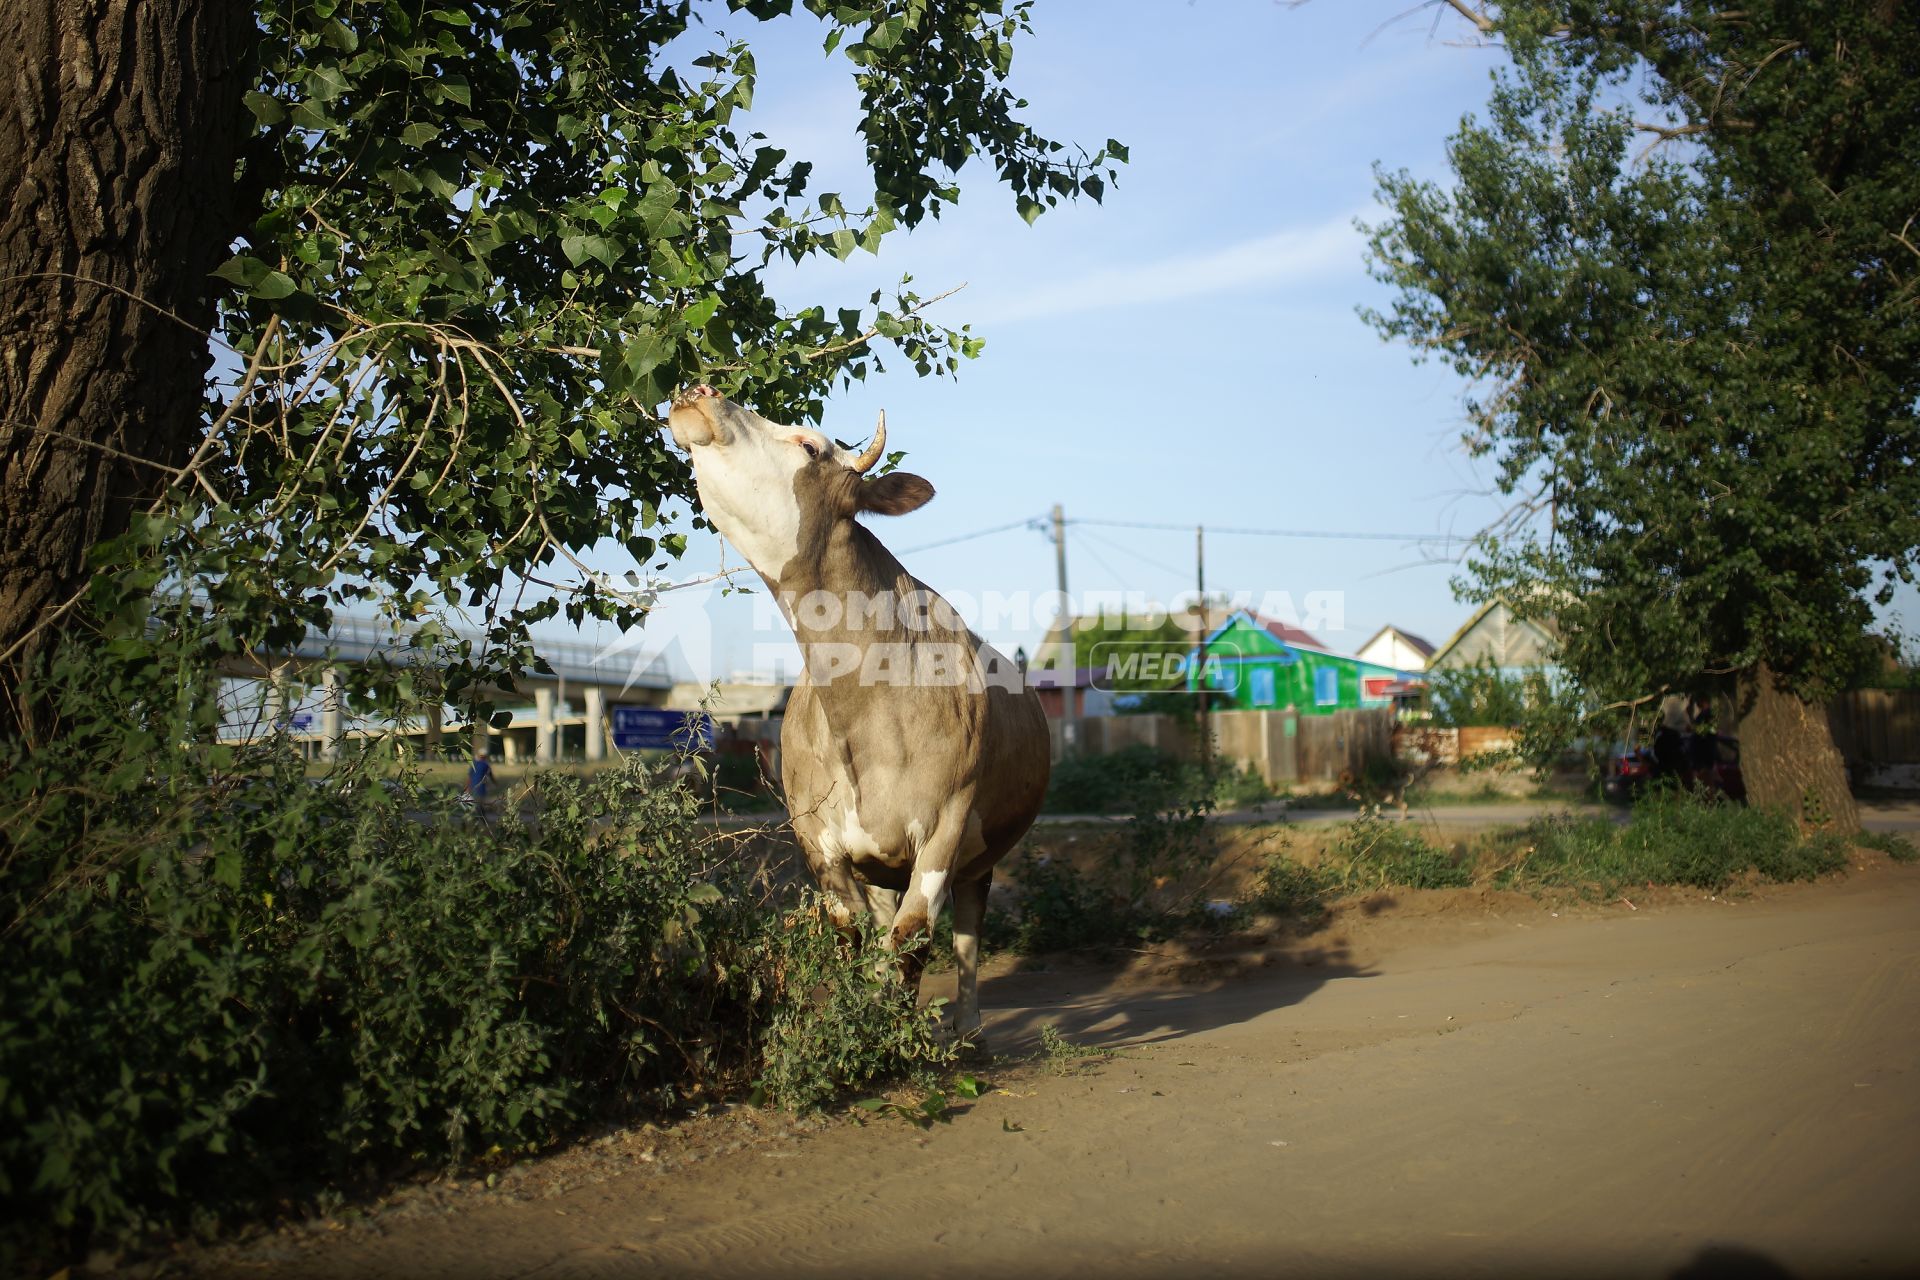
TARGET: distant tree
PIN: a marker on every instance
(1116, 645)
(1679, 262)
(458, 256)
(1483, 695)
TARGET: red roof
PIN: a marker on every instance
(1289, 635)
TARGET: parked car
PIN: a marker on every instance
(1633, 768)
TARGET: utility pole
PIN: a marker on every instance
(1070, 702)
(1200, 576)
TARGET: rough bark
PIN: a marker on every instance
(1788, 759)
(120, 124)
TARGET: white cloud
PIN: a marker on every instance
(1332, 246)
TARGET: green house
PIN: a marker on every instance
(1259, 665)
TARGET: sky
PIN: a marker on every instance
(1188, 352)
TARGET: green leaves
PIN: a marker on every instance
(257, 277)
(1691, 368)
(493, 242)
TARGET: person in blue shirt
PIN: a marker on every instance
(479, 775)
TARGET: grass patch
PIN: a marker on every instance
(1372, 853)
(1672, 838)
(1894, 845)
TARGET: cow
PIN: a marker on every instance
(912, 753)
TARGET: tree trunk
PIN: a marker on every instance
(120, 125)
(1788, 759)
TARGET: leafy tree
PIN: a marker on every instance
(1483, 694)
(1158, 647)
(478, 246)
(1678, 262)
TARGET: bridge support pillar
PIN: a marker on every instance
(273, 709)
(333, 720)
(543, 732)
(596, 723)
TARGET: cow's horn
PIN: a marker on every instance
(875, 448)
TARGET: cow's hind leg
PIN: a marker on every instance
(969, 911)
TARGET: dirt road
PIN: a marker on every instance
(1694, 1088)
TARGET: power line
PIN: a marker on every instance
(1272, 533)
(1038, 523)
(1031, 522)
(1149, 561)
(1102, 560)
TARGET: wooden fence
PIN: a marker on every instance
(1877, 726)
(1281, 746)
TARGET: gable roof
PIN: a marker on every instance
(1420, 643)
(1548, 631)
(1286, 634)
(1291, 636)
(1283, 632)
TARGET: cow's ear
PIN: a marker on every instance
(894, 494)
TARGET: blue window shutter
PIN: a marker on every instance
(1326, 686)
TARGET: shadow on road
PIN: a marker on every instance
(1730, 1262)
(1135, 1009)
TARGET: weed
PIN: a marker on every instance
(924, 1114)
(1372, 853)
(1285, 887)
(934, 1107)
(1063, 1055)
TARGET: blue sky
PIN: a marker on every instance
(1188, 351)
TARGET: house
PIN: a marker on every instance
(1258, 664)
(1392, 647)
(1513, 644)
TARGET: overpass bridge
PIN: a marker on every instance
(564, 714)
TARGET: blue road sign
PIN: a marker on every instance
(301, 721)
(657, 729)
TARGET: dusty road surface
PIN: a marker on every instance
(1471, 1088)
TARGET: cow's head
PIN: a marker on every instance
(778, 492)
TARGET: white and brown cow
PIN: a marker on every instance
(913, 755)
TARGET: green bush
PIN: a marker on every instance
(1673, 837)
(838, 1021)
(226, 983)
(1060, 910)
(1150, 885)
(1140, 779)
(1285, 887)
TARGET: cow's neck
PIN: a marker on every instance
(852, 569)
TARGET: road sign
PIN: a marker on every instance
(300, 721)
(658, 729)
